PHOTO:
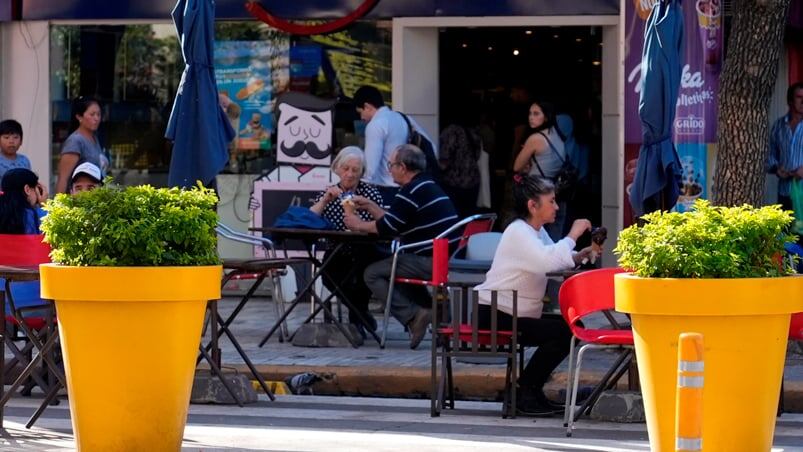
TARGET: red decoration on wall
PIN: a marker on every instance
(256, 10)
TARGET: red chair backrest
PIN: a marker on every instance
(440, 261)
(475, 227)
(587, 292)
(796, 327)
(23, 249)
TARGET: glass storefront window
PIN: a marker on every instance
(134, 71)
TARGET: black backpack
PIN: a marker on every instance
(415, 138)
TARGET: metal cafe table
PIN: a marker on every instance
(338, 240)
(23, 273)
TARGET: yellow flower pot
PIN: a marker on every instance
(745, 325)
(129, 337)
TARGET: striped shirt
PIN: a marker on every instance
(786, 150)
(420, 211)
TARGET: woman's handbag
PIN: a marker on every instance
(566, 179)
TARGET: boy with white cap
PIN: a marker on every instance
(85, 177)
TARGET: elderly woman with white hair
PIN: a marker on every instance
(349, 165)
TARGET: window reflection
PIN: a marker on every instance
(134, 70)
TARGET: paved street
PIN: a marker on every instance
(318, 423)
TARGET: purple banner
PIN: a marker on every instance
(696, 114)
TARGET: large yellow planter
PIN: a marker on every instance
(129, 336)
(745, 325)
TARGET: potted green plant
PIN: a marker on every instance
(133, 270)
(716, 271)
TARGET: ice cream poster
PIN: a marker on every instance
(244, 80)
(701, 63)
(693, 161)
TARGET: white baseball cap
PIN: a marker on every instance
(89, 169)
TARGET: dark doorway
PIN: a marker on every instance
(495, 73)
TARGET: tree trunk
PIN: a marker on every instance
(748, 80)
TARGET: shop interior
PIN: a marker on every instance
(495, 73)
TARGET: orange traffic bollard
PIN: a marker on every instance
(689, 400)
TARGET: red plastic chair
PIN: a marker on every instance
(581, 295)
(37, 331)
(796, 327)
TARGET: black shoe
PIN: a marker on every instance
(536, 409)
(418, 327)
(543, 400)
(369, 319)
(361, 330)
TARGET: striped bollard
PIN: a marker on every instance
(689, 400)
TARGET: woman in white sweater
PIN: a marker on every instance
(524, 256)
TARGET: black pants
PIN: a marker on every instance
(550, 334)
(347, 269)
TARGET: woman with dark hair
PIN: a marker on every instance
(524, 256)
(19, 202)
(82, 145)
(543, 154)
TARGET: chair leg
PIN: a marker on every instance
(608, 381)
(450, 381)
(386, 317)
(569, 375)
(506, 396)
(433, 380)
(514, 378)
(278, 299)
(575, 385)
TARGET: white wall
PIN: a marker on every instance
(613, 150)
(416, 76)
(24, 88)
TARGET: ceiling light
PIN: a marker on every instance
(528, 32)
(465, 45)
(516, 52)
(490, 48)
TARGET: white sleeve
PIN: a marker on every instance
(540, 254)
(374, 148)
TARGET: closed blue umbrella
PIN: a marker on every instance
(657, 182)
(198, 126)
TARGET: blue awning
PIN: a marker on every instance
(313, 9)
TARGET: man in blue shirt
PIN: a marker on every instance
(386, 130)
(786, 145)
(419, 211)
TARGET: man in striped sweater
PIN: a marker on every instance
(420, 211)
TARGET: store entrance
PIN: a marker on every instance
(490, 75)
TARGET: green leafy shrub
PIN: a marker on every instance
(134, 226)
(708, 242)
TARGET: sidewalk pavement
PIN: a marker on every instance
(398, 371)
(319, 423)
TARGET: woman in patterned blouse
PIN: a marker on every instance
(349, 165)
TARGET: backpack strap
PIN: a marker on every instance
(552, 147)
(410, 129)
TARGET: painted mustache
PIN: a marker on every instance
(309, 147)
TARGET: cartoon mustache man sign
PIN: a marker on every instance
(304, 134)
